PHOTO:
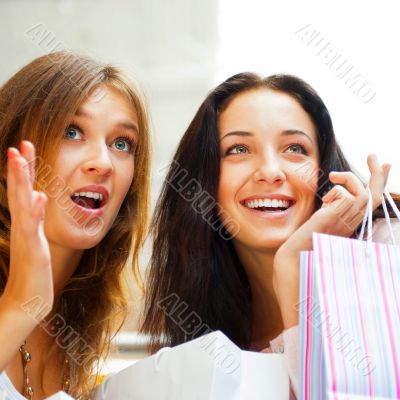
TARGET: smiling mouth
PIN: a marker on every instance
(268, 205)
(88, 200)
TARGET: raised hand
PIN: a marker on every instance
(30, 274)
(342, 211)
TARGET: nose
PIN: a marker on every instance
(98, 161)
(269, 169)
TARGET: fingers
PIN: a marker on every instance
(347, 200)
(349, 180)
(24, 192)
(20, 180)
(335, 193)
(11, 183)
(378, 179)
(28, 152)
(340, 201)
(347, 186)
(377, 183)
(386, 169)
(39, 206)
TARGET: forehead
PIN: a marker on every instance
(104, 98)
(261, 109)
(109, 107)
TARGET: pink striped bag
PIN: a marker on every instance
(349, 313)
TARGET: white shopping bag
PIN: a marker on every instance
(207, 368)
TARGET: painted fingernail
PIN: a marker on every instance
(11, 152)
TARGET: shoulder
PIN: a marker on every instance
(381, 232)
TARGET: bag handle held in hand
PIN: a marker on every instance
(368, 217)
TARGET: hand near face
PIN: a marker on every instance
(30, 274)
(342, 211)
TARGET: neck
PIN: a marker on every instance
(64, 262)
(267, 320)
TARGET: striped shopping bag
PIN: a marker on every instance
(349, 312)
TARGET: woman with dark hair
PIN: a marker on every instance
(265, 150)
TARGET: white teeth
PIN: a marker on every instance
(93, 195)
(275, 203)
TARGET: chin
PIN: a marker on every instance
(77, 238)
(88, 245)
(263, 244)
(272, 244)
(84, 242)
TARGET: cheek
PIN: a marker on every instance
(305, 184)
(229, 183)
(124, 179)
(69, 155)
(305, 177)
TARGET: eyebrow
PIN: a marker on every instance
(286, 132)
(122, 124)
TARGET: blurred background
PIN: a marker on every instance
(179, 49)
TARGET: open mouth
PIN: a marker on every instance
(269, 205)
(89, 200)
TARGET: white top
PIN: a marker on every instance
(7, 389)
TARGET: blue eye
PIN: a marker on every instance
(72, 132)
(297, 149)
(125, 144)
(237, 149)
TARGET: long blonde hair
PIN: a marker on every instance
(37, 104)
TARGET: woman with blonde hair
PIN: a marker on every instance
(73, 209)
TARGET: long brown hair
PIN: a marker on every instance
(37, 104)
(196, 281)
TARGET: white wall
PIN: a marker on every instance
(169, 46)
(270, 37)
